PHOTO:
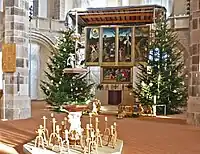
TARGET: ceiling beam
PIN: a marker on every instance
(116, 15)
(120, 22)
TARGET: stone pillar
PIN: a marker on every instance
(193, 116)
(17, 100)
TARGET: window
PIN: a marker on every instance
(168, 4)
(42, 8)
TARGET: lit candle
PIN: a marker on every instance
(106, 119)
(115, 124)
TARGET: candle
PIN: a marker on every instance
(106, 119)
(87, 130)
(62, 123)
(92, 133)
(154, 99)
(57, 128)
(96, 123)
(111, 129)
(52, 115)
(115, 124)
(41, 127)
(96, 119)
(66, 135)
(44, 118)
(90, 114)
(87, 126)
(54, 122)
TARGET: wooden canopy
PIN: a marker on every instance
(125, 15)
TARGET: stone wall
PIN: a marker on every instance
(194, 86)
(17, 101)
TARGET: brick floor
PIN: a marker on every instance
(141, 136)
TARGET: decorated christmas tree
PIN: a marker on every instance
(160, 78)
(65, 88)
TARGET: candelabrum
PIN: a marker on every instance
(61, 138)
(113, 135)
(98, 134)
(65, 142)
(90, 140)
(39, 140)
(106, 133)
(110, 134)
(55, 135)
(45, 130)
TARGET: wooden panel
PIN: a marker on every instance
(121, 22)
(114, 97)
(9, 58)
(125, 14)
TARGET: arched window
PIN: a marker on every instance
(168, 4)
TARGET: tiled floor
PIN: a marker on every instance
(141, 136)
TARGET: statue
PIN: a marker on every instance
(75, 122)
(94, 108)
(71, 61)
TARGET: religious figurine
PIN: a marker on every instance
(71, 61)
(75, 122)
(94, 108)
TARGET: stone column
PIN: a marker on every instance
(17, 101)
(193, 116)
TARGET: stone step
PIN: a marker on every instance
(109, 109)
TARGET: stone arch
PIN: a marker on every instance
(46, 44)
(42, 39)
